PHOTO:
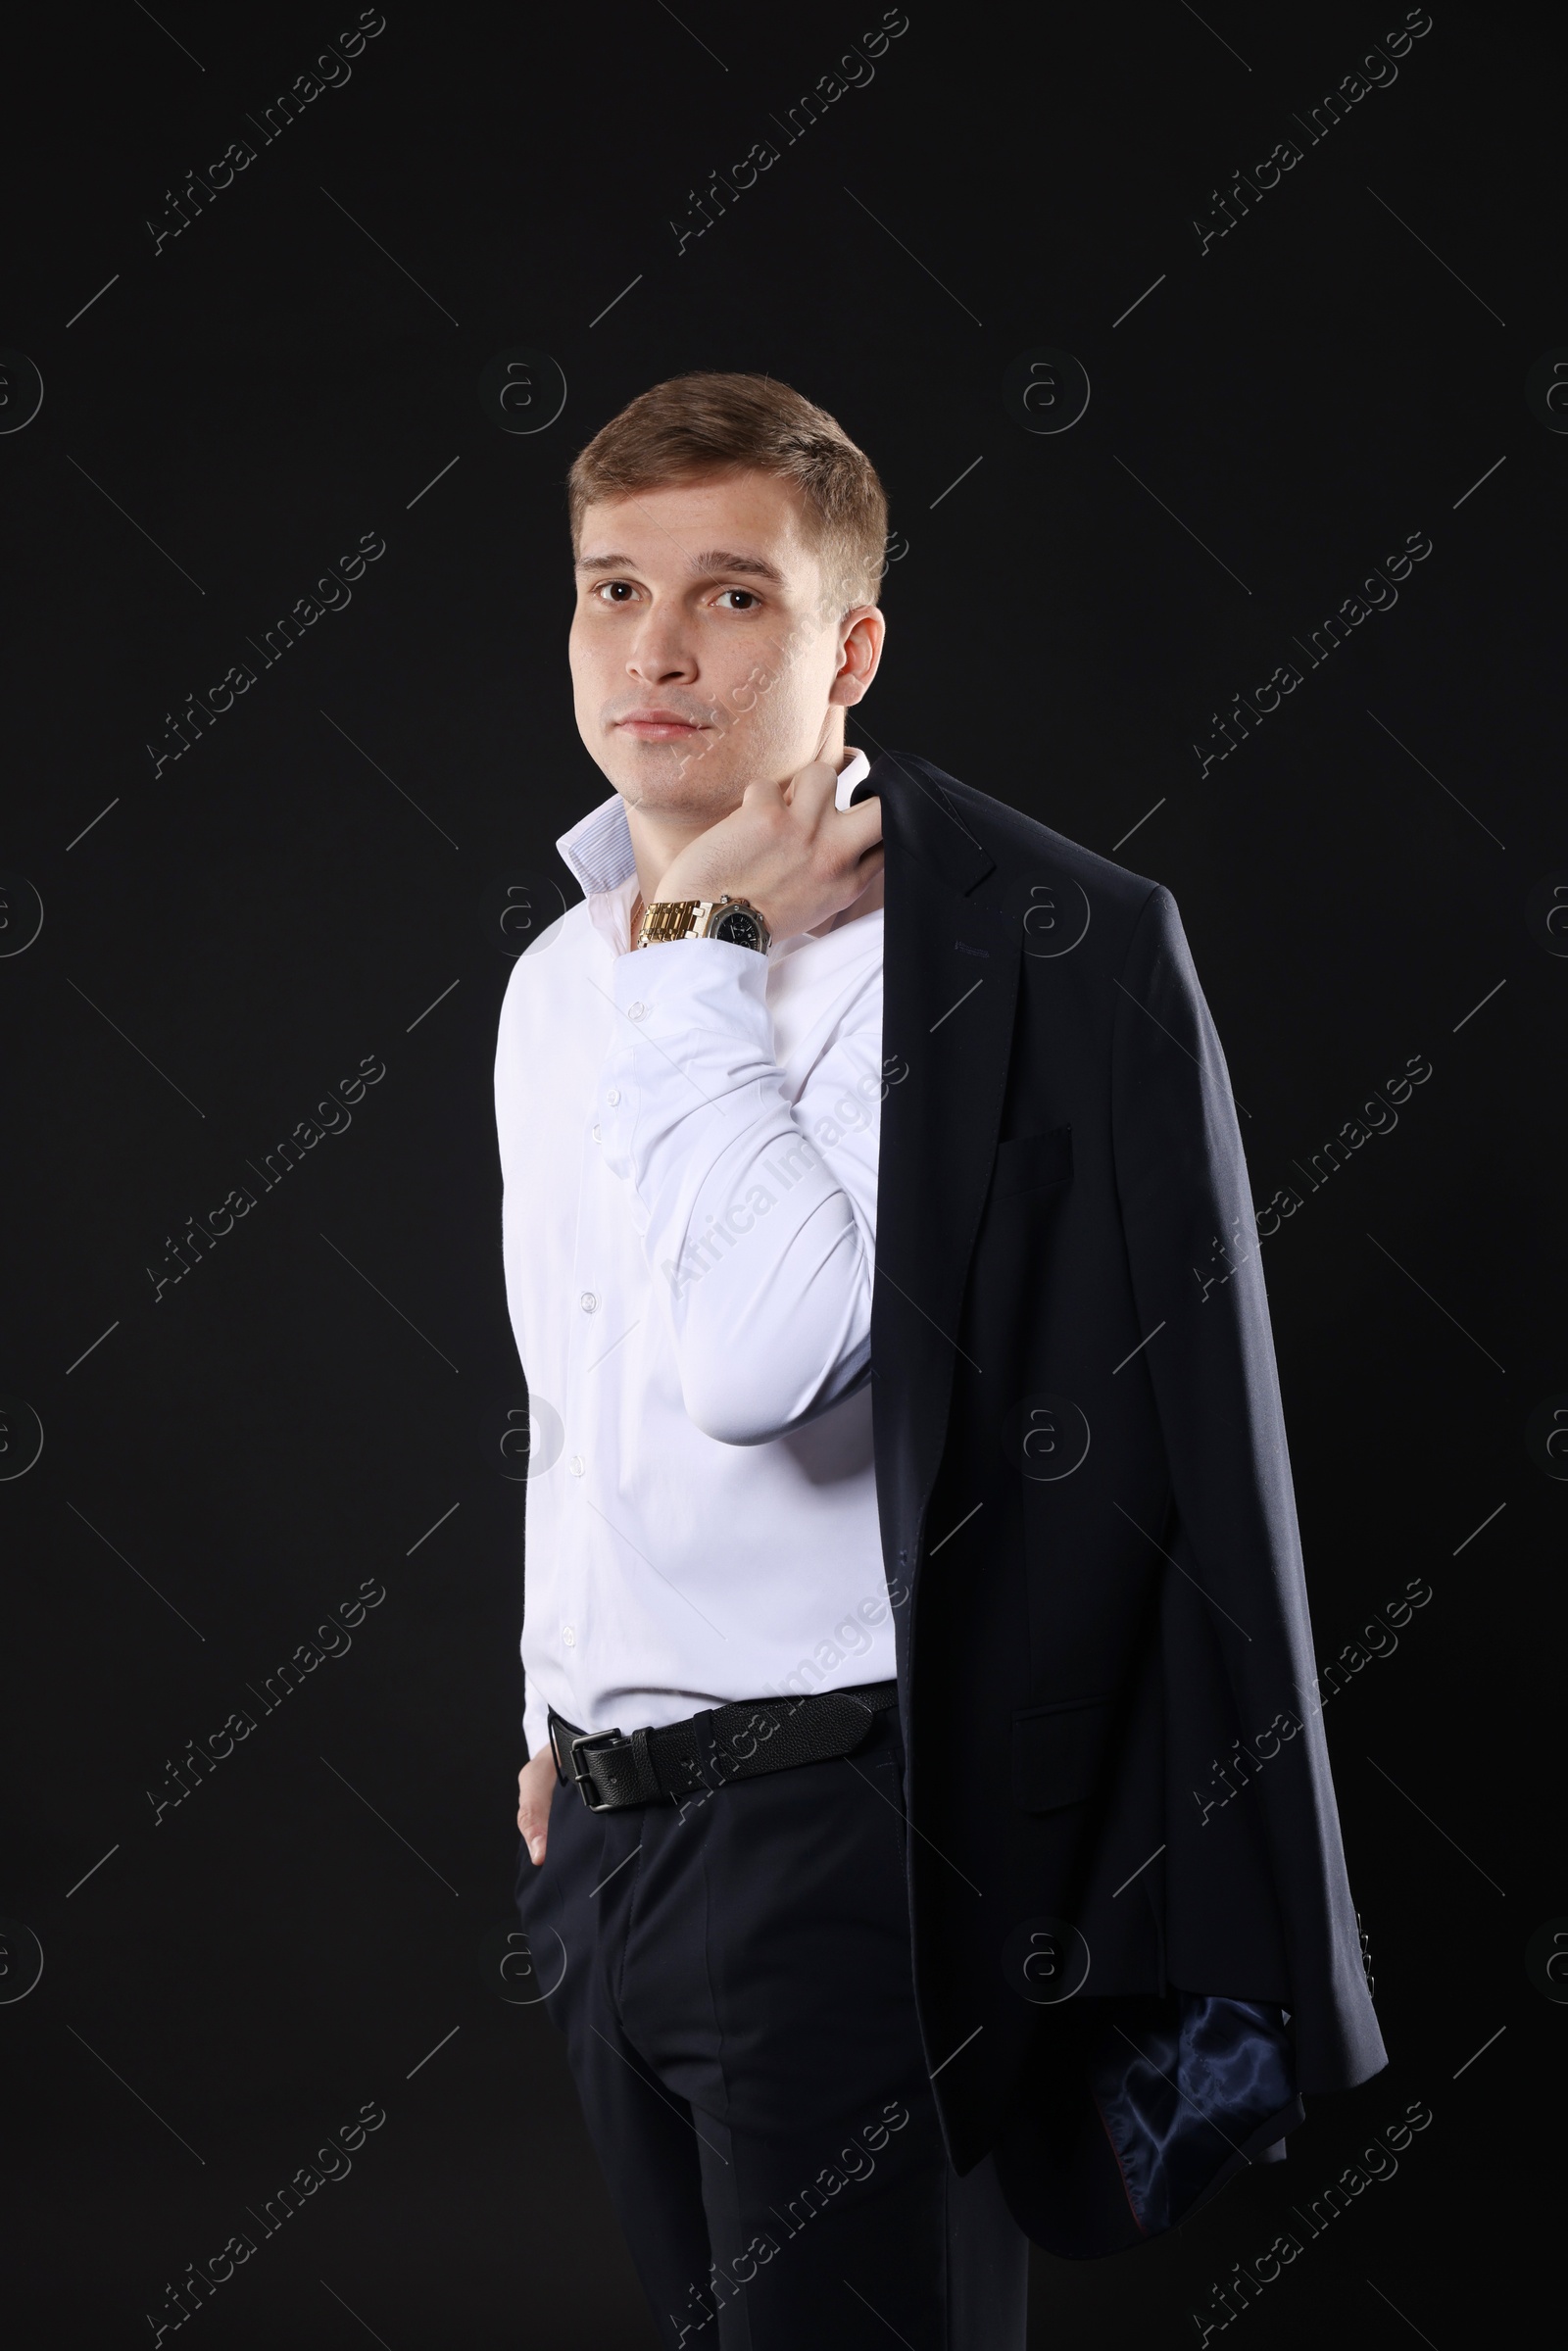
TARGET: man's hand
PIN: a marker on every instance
(797, 858)
(536, 1785)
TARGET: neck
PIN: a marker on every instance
(657, 841)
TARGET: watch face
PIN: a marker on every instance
(739, 926)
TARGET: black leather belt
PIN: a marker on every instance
(737, 1741)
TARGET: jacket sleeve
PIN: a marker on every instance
(1196, 1269)
(757, 1212)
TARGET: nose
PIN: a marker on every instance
(660, 653)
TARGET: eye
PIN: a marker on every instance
(615, 591)
(747, 600)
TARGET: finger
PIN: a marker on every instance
(778, 794)
(812, 787)
(856, 883)
(857, 830)
(536, 1792)
(535, 1832)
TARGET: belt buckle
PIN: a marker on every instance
(590, 1744)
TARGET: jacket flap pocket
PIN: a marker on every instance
(1029, 1163)
(1056, 1753)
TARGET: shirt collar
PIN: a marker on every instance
(598, 850)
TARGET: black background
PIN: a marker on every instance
(321, 868)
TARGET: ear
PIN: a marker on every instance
(862, 633)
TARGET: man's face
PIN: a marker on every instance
(701, 659)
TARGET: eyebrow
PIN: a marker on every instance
(709, 564)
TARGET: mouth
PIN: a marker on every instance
(658, 726)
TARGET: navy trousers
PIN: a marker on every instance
(732, 1977)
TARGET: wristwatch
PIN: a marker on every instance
(734, 920)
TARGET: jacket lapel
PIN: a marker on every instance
(950, 987)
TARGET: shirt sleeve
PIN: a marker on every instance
(535, 1724)
(757, 1211)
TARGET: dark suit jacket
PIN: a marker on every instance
(1134, 1939)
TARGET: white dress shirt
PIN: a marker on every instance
(689, 1152)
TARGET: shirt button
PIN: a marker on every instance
(596, 1130)
(614, 1096)
(636, 1011)
(576, 1465)
(569, 1635)
(588, 1302)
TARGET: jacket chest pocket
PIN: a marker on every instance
(1032, 1163)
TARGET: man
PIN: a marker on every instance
(930, 1844)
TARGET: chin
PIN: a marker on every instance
(671, 775)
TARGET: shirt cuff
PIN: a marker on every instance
(535, 1726)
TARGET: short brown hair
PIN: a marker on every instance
(695, 425)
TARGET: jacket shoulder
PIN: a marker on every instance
(1019, 843)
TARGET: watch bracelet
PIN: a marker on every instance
(674, 918)
(668, 918)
